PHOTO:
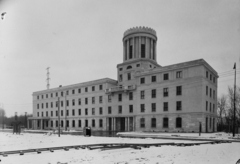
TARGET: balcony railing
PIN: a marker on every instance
(120, 89)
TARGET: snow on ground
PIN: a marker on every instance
(211, 154)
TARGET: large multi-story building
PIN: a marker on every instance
(145, 97)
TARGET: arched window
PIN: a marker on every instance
(165, 122)
(153, 122)
(129, 67)
(178, 122)
(142, 122)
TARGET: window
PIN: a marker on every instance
(129, 76)
(179, 105)
(79, 112)
(79, 90)
(67, 113)
(109, 98)
(206, 105)
(79, 102)
(206, 90)
(210, 92)
(142, 95)
(165, 106)
(206, 74)
(109, 110)
(129, 67)
(138, 65)
(46, 95)
(119, 97)
(37, 106)
(210, 106)
(100, 87)
(56, 113)
(120, 109)
(79, 123)
(120, 77)
(38, 114)
(86, 100)
(165, 122)
(73, 91)
(213, 107)
(42, 105)
(130, 52)
(73, 123)
(214, 94)
(179, 90)
(42, 96)
(93, 100)
(100, 111)
(42, 114)
(165, 76)
(51, 95)
(61, 103)
(86, 122)
(61, 123)
(165, 92)
(37, 97)
(100, 99)
(66, 92)
(73, 112)
(210, 122)
(51, 113)
(130, 96)
(73, 102)
(142, 106)
(93, 88)
(86, 89)
(67, 103)
(211, 77)
(56, 123)
(86, 111)
(154, 79)
(100, 123)
(120, 69)
(142, 80)
(46, 105)
(153, 107)
(51, 123)
(142, 123)
(62, 94)
(214, 79)
(56, 103)
(130, 108)
(154, 93)
(153, 122)
(61, 112)
(142, 50)
(178, 122)
(93, 123)
(93, 111)
(179, 74)
(51, 104)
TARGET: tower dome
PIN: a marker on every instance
(139, 42)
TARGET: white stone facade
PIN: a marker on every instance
(145, 97)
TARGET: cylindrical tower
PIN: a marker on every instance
(139, 42)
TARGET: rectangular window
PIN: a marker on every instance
(142, 80)
(67, 123)
(154, 95)
(179, 105)
(86, 111)
(86, 100)
(79, 112)
(93, 100)
(67, 93)
(142, 50)
(129, 76)
(86, 89)
(73, 112)
(51, 95)
(206, 74)
(210, 107)
(119, 97)
(213, 79)
(42, 96)
(165, 76)
(46, 105)
(93, 123)
(179, 90)
(100, 99)
(165, 92)
(142, 122)
(142, 106)
(179, 74)
(67, 113)
(86, 123)
(206, 105)
(214, 94)
(67, 103)
(109, 110)
(56, 103)
(206, 90)
(165, 122)
(79, 90)
(100, 87)
(100, 123)
(37, 106)
(56, 113)
(165, 106)
(154, 79)
(153, 107)
(43, 105)
(130, 96)
(130, 108)
(38, 114)
(51, 113)
(61, 112)
(42, 114)
(93, 111)
(142, 95)
(79, 102)
(51, 104)
(130, 52)
(120, 77)
(213, 107)
(109, 98)
(61, 103)
(73, 91)
(153, 122)
(79, 123)
(73, 102)
(100, 111)
(120, 109)
(73, 123)
(93, 88)
(210, 92)
(37, 97)
(62, 94)
(46, 95)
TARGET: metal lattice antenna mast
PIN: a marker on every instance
(48, 78)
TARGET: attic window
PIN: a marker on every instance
(129, 67)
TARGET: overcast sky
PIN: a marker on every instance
(82, 40)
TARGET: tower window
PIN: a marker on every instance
(142, 50)
(130, 52)
(120, 77)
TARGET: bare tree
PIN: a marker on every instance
(222, 108)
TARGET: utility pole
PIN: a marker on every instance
(234, 102)
(58, 117)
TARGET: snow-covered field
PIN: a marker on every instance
(227, 153)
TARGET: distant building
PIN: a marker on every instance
(145, 97)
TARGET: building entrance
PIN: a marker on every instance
(120, 124)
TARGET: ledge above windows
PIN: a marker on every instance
(120, 89)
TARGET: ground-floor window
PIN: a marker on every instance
(56, 123)
(67, 123)
(79, 123)
(62, 123)
(51, 123)
(73, 123)
(153, 122)
(210, 123)
(100, 123)
(165, 122)
(178, 122)
(93, 123)
(86, 123)
(142, 122)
